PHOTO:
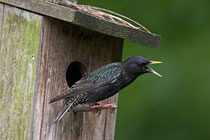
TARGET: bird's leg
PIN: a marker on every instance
(95, 111)
(109, 107)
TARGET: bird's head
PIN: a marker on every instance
(137, 65)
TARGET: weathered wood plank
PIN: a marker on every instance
(18, 60)
(87, 21)
(1, 22)
(61, 44)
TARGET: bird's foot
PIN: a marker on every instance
(110, 107)
(95, 111)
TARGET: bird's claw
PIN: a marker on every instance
(111, 110)
(110, 107)
(97, 112)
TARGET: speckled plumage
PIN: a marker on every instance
(102, 83)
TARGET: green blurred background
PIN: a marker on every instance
(177, 106)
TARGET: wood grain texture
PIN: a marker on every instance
(18, 54)
(87, 21)
(61, 44)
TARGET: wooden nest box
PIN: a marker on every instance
(44, 49)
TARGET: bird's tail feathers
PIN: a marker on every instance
(64, 110)
(60, 97)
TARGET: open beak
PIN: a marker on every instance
(151, 70)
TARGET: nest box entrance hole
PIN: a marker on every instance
(75, 71)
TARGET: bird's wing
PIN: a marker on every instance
(103, 75)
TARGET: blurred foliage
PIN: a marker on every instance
(177, 106)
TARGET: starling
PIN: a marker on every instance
(103, 83)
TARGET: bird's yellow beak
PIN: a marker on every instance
(155, 62)
(151, 70)
(154, 72)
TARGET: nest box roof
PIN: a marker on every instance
(88, 21)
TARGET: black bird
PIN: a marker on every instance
(104, 82)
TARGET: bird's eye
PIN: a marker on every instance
(143, 64)
(146, 63)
